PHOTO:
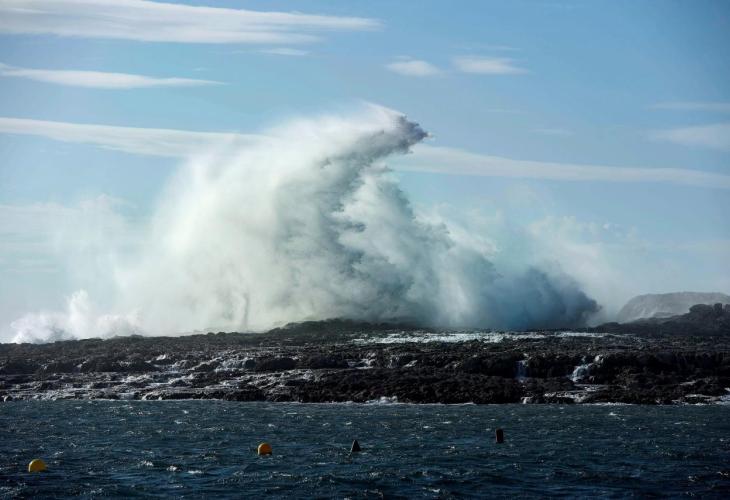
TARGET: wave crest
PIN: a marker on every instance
(308, 223)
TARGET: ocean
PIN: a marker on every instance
(198, 449)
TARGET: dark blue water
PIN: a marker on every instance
(206, 448)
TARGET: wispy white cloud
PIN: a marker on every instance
(144, 141)
(487, 65)
(98, 79)
(558, 132)
(714, 136)
(286, 51)
(442, 160)
(413, 67)
(144, 20)
(715, 107)
(485, 47)
(425, 158)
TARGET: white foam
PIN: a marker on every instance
(481, 336)
(307, 222)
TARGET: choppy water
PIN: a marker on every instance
(206, 448)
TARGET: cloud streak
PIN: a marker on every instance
(143, 141)
(487, 65)
(425, 158)
(413, 67)
(98, 79)
(714, 136)
(451, 161)
(143, 20)
(286, 51)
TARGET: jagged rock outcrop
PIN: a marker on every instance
(702, 319)
(350, 362)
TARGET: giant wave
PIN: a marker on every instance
(307, 222)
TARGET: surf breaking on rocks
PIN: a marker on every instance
(307, 222)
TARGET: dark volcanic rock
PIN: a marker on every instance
(61, 367)
(100, 364)
(345, 361)
(138, 365)
(105, 364)
(318, 362)
(680, 365)
(551, 365)
(504, 365)
(247, 393)
(18, 366)
(207, 366)
(410, 386)
(275, 364)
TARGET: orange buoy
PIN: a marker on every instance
(264, 449)
(36, 465)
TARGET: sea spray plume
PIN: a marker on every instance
(81, 320)
(266, 235)
(308, 223)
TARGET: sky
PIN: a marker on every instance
(599, 128)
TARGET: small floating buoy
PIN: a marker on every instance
(499, 436)
(355, 447)
(264, 449)
(36, 465)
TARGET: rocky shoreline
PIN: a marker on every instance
(341, 361)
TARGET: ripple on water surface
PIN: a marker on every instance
(202, 448)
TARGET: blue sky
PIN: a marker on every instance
(584, 104)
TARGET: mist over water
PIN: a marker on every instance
(307, 222)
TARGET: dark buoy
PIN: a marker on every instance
(499, 436)
(355, 447)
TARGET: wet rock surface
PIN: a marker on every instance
(338, 361)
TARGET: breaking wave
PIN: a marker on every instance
(307, 222)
